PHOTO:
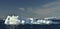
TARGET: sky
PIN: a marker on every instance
(30, 8)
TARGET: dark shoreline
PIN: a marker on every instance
(30, 26)
(34, 26)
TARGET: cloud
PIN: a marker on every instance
(22, 9)
(49, 9)
(25, 9)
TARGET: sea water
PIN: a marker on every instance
(29, 26)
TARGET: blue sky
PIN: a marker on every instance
(23, 3)
(40, 8)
